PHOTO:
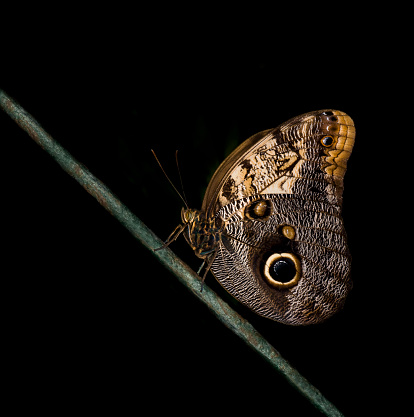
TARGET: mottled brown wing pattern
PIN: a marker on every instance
(319, 243)
(278, 197)
(274, 160)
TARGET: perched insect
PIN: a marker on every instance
(270, 226)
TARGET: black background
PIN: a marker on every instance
(91, 318)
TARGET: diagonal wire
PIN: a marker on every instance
(185, 275)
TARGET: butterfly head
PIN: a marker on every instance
(189, 215)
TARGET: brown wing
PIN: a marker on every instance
(252, 262)
(283, 250)
(272, 161)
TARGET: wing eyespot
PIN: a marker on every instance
(282, 270)
(258, 210)
(327, 141)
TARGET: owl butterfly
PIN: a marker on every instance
(270, 226)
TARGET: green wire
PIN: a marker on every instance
(185, 275)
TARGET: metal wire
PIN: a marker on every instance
(185, 275)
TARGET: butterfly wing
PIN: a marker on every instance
(278, 197)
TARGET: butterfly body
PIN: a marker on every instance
(270, 227)
(200, 232)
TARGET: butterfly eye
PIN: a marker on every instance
(327, 141)
(187, 215)
(282, 270)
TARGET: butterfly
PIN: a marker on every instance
(270, 227)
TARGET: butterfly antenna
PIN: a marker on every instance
(166, 176)
(181, 179)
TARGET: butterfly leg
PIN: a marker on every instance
(201, 267)
(177, 231)
(210, 261)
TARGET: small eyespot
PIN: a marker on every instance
(288, 231)
(327, 113)
(258, 210)
(327, 141)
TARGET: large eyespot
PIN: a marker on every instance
(282, 270)
(258, 210)
(327, 141)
